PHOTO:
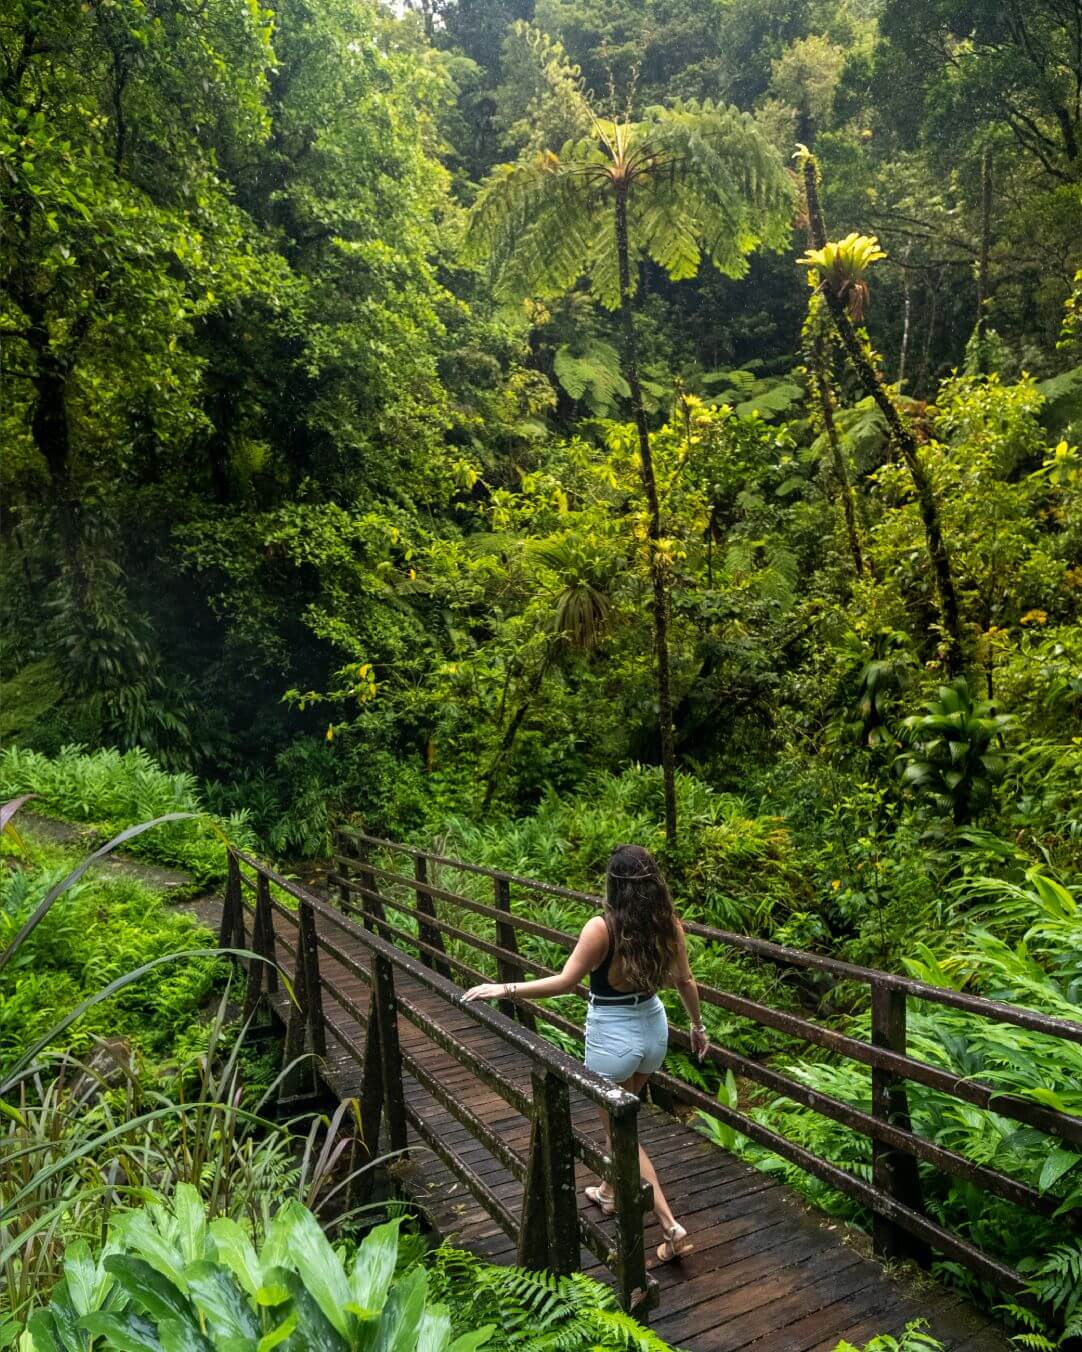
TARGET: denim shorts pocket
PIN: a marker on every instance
(607, 1039)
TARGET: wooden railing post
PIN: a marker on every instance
(506, 938)
(394, 1098)
(231, 933)
(549, 1228)
(372, 902)
(262, 970)
(371, 1103)
(309, 947)
(306, 1029)
(632, 1201)
(894, 1172)
(428, 934)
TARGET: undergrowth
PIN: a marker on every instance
(110, 790)
(103, 926)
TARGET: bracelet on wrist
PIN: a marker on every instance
(698, 1027)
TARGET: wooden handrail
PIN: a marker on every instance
(549, 1230)
(997, 1010)
(901, 1227)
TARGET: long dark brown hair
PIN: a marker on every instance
(640, 916)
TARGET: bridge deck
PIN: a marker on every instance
(766, 1274)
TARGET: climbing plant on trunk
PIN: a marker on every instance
(684, 181)
(845, 291)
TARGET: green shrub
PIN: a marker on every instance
(99, 929)
(914, 1339)
(168, 1277)
(534, 1311)
(112, 789)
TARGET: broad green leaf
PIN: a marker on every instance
(374, 1264)
(297, 1243)
(1058, 1163)
(41, 1330)
(127, 1331)
(470, 1342)
(191, 1222)
(236, 1251)
(82, 1276)
(279, 1334)
(217, 1296)
(183, 1335)
(313, 1329)
(403, 1313)
(149, 1289)
(434, 1332)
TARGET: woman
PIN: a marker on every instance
(631, 951)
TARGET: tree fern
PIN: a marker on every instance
(701, 180)
(685, 180)
(591, 369)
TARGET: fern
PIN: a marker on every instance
(1055, 1280)
(536, 1311)
(591, 370)
(914, 1339)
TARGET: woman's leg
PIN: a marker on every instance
(646, 1168)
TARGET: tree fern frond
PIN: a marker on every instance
(591, 369)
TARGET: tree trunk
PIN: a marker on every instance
(983, 261)
(492, 775)
(902, 438)
(51, 433)
(841, 469)
(907, 314)
(657, 572)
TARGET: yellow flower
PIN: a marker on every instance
(330, 733)
(1034, 617)
(836, 884)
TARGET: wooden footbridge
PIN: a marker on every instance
(499, 1130)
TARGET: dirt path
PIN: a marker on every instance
(50, 831)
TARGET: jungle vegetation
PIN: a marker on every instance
(528, 425)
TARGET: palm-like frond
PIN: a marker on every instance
(700, 179)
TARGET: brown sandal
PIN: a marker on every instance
(675, 1245)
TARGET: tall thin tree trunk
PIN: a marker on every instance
(933, 315)
(902, 438)
(983, 260)
(907, 315)
(841, 469)
(657, 572)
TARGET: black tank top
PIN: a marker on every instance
(599, 977)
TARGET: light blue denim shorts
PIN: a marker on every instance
(626, 1040)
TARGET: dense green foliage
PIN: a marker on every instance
(104, 927)
(168, 1278)
(425, 415)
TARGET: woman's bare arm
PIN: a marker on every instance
(587, 954)
(688, 990)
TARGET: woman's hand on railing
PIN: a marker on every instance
(700, 1040)
(487, 991)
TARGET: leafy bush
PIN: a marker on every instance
(1041, 969)
(956, 751)
(113, 789)
(169, 1278)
